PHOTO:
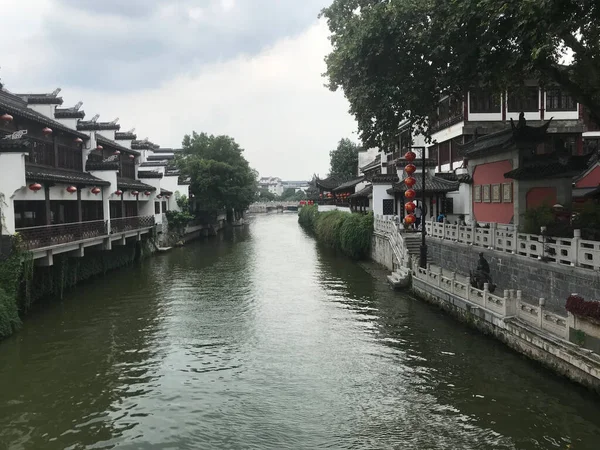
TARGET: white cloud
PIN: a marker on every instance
(274, 104)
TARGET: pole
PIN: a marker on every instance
(423, 253)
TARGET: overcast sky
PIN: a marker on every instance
(247, 68)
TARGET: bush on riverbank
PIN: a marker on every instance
(345, 232)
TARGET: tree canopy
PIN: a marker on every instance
(344, 160)
(394, 60)
(220, 175)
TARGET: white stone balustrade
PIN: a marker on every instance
(506, 238)
(507, 306)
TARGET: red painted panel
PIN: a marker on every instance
(591, 180)
(541, 195)
(492, 173)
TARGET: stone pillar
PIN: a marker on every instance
(47, 209)
(486, 289)
(79, 206)
(540, 318)
(575, 247)
(106, 191)
(493, 229)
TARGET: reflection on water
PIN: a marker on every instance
(258, 339)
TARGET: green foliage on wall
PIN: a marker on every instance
(344, 232)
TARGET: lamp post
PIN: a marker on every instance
(423, 248)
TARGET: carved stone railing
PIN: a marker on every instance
(505, 238)
(123, 224)
(507, 306)
(51, 235)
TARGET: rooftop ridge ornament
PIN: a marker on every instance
(95, 118)
(132, 130)
(114, 122)
(78, 105)
(16, 135)
(55, 92)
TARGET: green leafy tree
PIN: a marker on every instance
(395, 59)
(344, 160)
(221, 178)
(265, 196)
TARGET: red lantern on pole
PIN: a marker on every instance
(410, 169)
(410, 207)
(410, 182)
(35, 187)
(410, 194)
(410, 156)
(95, 190)
(71, 189)
(6, 118)
(136, 193)
(119, 192)
(47, 131)
(410, 219)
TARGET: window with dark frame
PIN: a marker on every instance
(559, 100)
(156, 207)
(444, 152)
(526, 99)
(388, 207)
(484, 101)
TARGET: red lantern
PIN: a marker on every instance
(136, 193)
(117, 152)
(410, 156)
(95, 190)
(131, 156)
(410, 207)
(159, 196)
(6, 118)
(47, 131)
(99, 147)
(71, 189)
(119, 192)
(167, 197)
(410, 169)
(147, 193)
(410, 219)
(320, 195)
(410, 194)
(35, 187)
(410, 181)
(78, 140)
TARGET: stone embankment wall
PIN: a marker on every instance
(381, 251)
(533, 277)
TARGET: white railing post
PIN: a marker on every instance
(505, 301)
(542, 302)
(486, 288)
(492, 238)
(575, 247)
(453, 281)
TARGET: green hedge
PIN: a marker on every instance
(345, 232)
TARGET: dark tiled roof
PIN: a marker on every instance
(154, 164)
(549, 167)
(168, 150)
(172, 172)
(125, 136)
(328, 183)
(363, 193)
(144, 145)
(432, 184)
(165, 192)
(16, 106)
(42, 99)
(14, 145)
(373, 164)
(69, 113)
(593, 193)
(451, 176)
(63, 176)
(402, 162)
(91, 125)
(126, 184)
(105, 141)
(348, 184)
(385, 178)
(160, 157)
(149, 174)
(101, 165)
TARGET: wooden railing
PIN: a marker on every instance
(51, 235)
(131, 223)
(505, 238)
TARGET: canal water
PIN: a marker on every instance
(258, 339)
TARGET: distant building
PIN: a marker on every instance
(296, 185)
(272, 184)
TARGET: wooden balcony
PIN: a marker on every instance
(124, 224)
(66, 233)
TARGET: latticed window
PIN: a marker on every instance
(484, 101)
(388, 207)
(559, 100)
(41, 153)
(69, 158)
(444, 152)
(524, 100)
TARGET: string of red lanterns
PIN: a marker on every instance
(410, 193)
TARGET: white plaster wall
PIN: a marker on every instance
(11, 181)
(462, 202)
(171, 184)
(108, 134)
(47, 110)
(379, 194)
(449, 133)
(147, 207)
(71, 123)
(107, 191)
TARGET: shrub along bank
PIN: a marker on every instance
(345, 232)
